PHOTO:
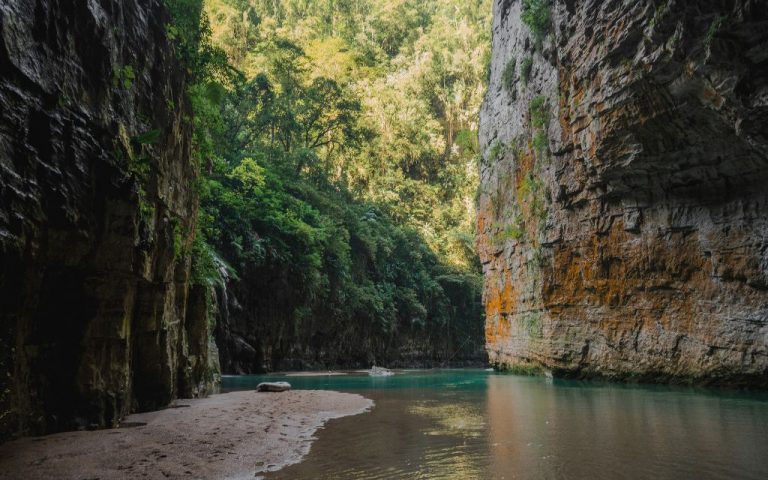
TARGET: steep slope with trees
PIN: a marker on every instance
(297, 177)
(340, 182)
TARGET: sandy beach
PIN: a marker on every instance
(229, 436)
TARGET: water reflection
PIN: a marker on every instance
(474, 424)
(585, 431)
(457, 419)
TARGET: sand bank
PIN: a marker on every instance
(229, 436)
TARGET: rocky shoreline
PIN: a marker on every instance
(229, 436)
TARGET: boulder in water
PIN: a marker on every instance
(380, 372)
(273, 387)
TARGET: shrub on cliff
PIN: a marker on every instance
(509, 77)
(525, 70)
(536, 14)
(539, 109)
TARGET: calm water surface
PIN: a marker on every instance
(474, 424)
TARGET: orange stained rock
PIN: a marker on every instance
(497, 330)
(481, 213)
(623, 276)
(524, 166)
(500, 300)
(499, 303)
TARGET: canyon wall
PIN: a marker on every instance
(97, 215)
(257, 331)
(623, 224)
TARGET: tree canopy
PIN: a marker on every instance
(338, 145)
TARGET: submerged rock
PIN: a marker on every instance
(273, 387)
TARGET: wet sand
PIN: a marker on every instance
(234, 435)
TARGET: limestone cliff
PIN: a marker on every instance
(624, 212)
(96, 216)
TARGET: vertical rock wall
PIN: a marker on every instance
(97, 211)
(623, 223)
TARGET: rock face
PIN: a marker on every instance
(96, 217)
(256, 332)
(623, 223)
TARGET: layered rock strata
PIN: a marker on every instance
(623, 223)
(97, 214)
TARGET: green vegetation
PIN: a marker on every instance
(123, 77)
(509, 76)
(525, 70)
(531, 190)
(714, 27)
(133, 153)
(532, 323)
(497, 151)
(520, 369)
(178, 238)
(660, 11)
(205, 270)
(530, 185)
(536, 14)
(338, 146)
(539, 109)
(150, 137)
(515, 230)
(540, 142)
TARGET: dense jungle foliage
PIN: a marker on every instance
(337, 144)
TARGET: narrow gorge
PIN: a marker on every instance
(383, 239)
(152, 240)
(622, 219)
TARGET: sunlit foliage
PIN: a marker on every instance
(339, 154)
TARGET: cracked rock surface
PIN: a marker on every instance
(96, 217)
(623, 220)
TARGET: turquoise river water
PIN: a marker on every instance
(476, 424)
